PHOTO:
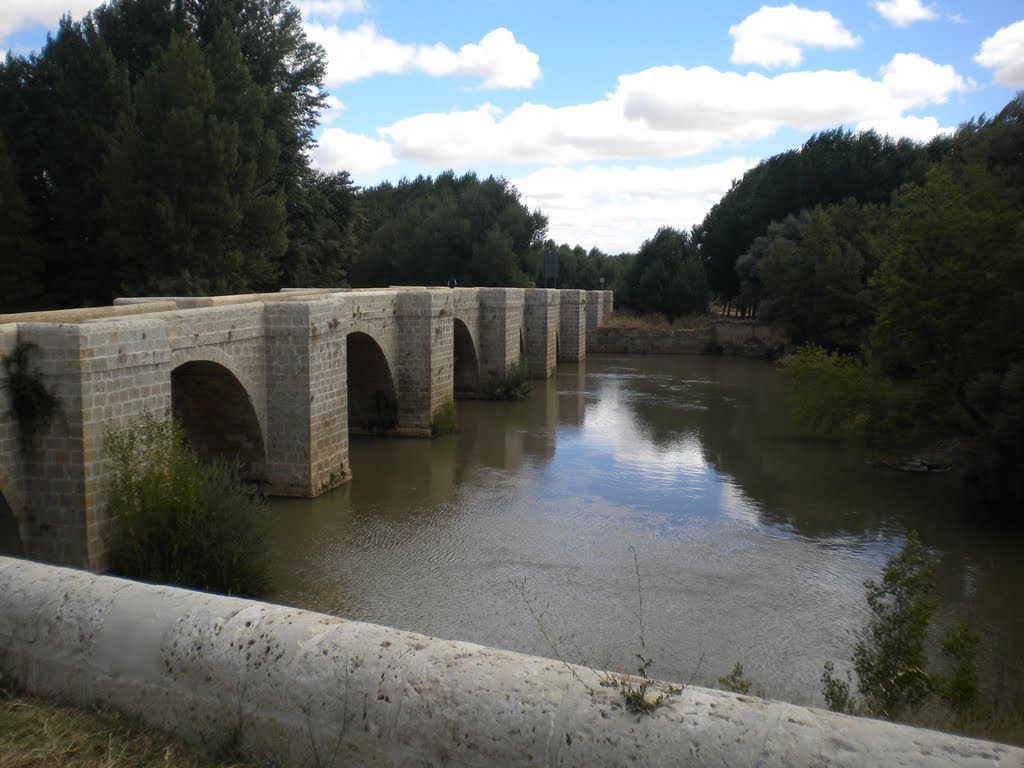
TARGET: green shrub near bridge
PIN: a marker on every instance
(178, 520)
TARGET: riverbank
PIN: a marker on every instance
(738, 338)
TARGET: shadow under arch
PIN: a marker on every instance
(372, 401)
(218, 416)
(11, 544)
(466, 364)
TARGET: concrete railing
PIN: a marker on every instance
(299, 688)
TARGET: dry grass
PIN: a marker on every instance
(35, 733)
(657, 322)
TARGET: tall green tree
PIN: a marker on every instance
(952, 275)
(667, 276)
(427, 229)
(180, 192)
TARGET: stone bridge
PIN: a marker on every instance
(277, 381)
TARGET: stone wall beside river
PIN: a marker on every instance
(729, 337)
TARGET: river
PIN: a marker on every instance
(753, 537)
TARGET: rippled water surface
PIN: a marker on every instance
(753, 538)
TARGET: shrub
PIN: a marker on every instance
(180, 521)
(445, 420)
(838, 393)
(889, 656)
(511, 384)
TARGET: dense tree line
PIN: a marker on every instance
(913, 309)
(159, 146)
(424, 231)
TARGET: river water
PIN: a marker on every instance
(753, 538)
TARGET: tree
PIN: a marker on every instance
(181, 197)
(20, 261)
(424, 230)
(668, 276)
(951, 276)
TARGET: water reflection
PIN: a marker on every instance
(754, 538)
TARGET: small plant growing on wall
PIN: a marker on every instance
(178, 520)
(511, 384)
(445, 420)
(31, 402)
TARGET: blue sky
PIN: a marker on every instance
(614, 119)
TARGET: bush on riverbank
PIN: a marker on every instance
(511, 384)
(889, 658)
(180, 521)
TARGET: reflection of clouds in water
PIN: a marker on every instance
(610, 428)
(734, 504)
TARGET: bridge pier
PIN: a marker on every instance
(540, 322)
(599, 310)
(572, 326)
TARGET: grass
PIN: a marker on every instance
(445, 420)
(656, 322)
(37, 733)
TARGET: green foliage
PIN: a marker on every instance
(160, 147)
(960, 689)
(511, 384)
(735, 681)
(993, 466)
(951, 276)
(889, 657)
(667, 277)
(582, 269)
(32, 403)
(420, 232)
(180, 521)
(809, 274)
(839, 393)
(445, 420)
(837, 692)
(635, 691)
(831, 166)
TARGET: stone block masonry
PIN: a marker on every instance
(269, 379)
(296, 688)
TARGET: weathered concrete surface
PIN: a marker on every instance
(300, 688)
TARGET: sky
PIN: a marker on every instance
(615, 118)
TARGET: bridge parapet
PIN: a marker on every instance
(292, 686)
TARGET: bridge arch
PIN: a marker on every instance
(219, 416)
(466, 361)
(372, 398)
(12, 543)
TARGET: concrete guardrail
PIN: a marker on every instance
(300, 688)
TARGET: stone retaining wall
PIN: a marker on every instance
(296, 688)
(728, 337)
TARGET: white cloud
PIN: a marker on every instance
(333, 107)
(18, 14)
(917, 128)
(671, 112)
(498, 60)
(903, 13)
(776, 36)
(916, 80)
(330, 9)
(1004, 52)
(339, 150)
(617, 208)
